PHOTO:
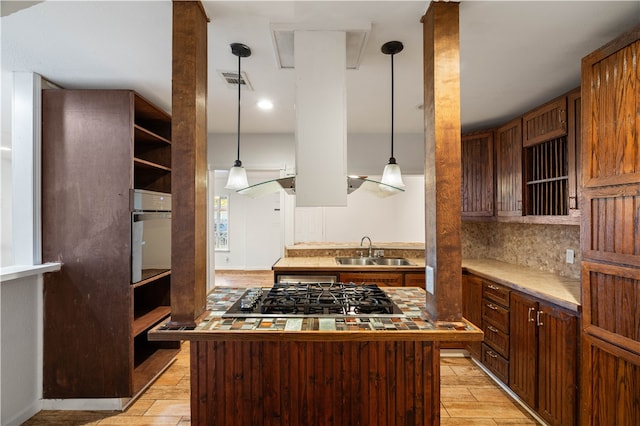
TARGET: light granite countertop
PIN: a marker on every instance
(562, 291)
(329, 263)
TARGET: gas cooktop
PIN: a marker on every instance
(319, 299)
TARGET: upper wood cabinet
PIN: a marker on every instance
(546, 122)
(477, 174)
(508, 141)
(551, 135)
(611, 95)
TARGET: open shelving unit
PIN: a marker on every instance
(99, 145)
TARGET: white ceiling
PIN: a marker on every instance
(514, 55)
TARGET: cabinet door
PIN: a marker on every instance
(477, 174)
(557, 365)
(509, 169)
(523, 348)
(546, 122)
(414, 279)
(382, 279)
(472, 307)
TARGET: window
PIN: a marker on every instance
(221, 222)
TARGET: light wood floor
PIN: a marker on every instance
(468, 396)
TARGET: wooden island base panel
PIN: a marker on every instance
(316, 371)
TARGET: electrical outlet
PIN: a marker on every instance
(570, 256)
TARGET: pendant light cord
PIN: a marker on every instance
(392, 79)
(238, 163)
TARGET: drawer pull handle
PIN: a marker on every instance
(492, 307)
(491, 328)
(492, 354)
(493, 287)
(530, 316)
(539, 318)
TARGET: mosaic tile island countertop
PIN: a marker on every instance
(413, 325)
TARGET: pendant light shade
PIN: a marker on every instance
(238, 175)
(391, 175)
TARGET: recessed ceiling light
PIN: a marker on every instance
(265, 104)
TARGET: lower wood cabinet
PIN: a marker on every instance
(381, 278)
(529, 344)
(495, 324)
(543, 358)
(414, 279)
(472, 308)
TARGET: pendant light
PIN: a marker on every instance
(391, 174)
(238, 175)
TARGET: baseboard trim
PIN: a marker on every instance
(511, 393)
(82, 404)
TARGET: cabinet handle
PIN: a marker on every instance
(492, 354)
(573, 202)
(539, 318)
(493, 287)
(491, 328)
(529, 314)
(492, 307)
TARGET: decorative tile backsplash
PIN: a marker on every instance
(537, 246)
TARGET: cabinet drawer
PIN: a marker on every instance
(496, 293)
(497, 339)
(496, 363)
(496, 314)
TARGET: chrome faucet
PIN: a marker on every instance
(362, 240)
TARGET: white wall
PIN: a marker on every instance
(20, 299)
(6, 253)
(367, 154)
(399, 218)
(21, 349)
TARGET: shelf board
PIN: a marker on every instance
(145, 135)
(151, 275)
(150, 165)
(152, 367)
(147, 320)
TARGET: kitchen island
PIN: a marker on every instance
(316, 370)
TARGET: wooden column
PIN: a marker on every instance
(189, 163)
(442, 162)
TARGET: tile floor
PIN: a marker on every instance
(468, 396)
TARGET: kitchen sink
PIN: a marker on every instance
(387, 261)
(393, 261)
(355, 261)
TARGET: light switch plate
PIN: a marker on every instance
(430, 279)
(570, 256)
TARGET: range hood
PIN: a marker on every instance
(288, 184)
